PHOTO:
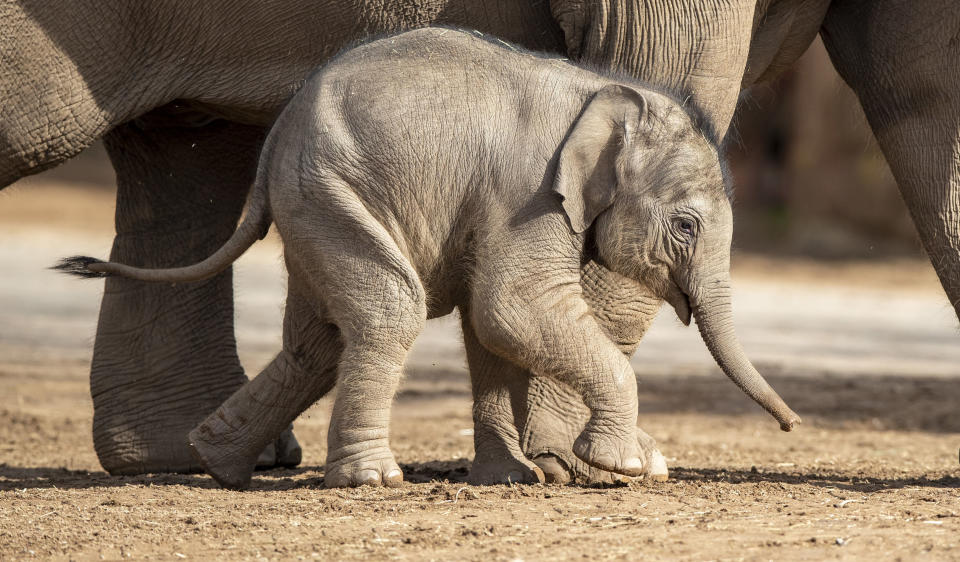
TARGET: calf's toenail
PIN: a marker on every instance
(369, 477)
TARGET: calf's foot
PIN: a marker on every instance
(618, 454)
(231, 464)
(554, 417)
(231, 467)
(370, 467)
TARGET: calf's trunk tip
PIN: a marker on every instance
(716, 327)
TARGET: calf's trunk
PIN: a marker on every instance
(712, 310)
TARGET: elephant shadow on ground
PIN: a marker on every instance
(444, 472)
(452, 471)
(848, 482)
(455, 472)
(879, 402)
(14, 478)
(864, 400)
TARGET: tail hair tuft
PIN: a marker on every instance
(78, 266)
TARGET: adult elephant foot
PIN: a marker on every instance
(165, 355)
(555, 417)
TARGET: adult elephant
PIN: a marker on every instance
(182, 93)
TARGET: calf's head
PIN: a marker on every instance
(637, 170)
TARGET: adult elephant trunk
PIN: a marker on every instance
(713, 312)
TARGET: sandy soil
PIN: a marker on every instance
(867, 353)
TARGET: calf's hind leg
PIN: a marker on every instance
(227, 441)
(373, 294)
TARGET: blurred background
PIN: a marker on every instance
(810, 178)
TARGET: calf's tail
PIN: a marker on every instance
(255, 225)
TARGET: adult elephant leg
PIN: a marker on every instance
(165, 355)
(900, 57)
(499, 391)
(554, 414)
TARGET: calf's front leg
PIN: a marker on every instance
(553, 414)
(538, 320)
(547, 416)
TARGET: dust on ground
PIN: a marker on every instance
(869, 357)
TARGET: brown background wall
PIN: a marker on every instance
(810, 178)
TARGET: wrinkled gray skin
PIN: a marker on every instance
(152, 77)
(526, 164)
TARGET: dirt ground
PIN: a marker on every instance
(867, 353)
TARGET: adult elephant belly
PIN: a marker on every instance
(245, 69)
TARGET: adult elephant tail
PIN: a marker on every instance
(254, 227)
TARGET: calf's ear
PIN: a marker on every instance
(586, 177)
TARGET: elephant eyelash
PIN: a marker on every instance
(681, 238)
(686, 226)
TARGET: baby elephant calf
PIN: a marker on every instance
(435, 169)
